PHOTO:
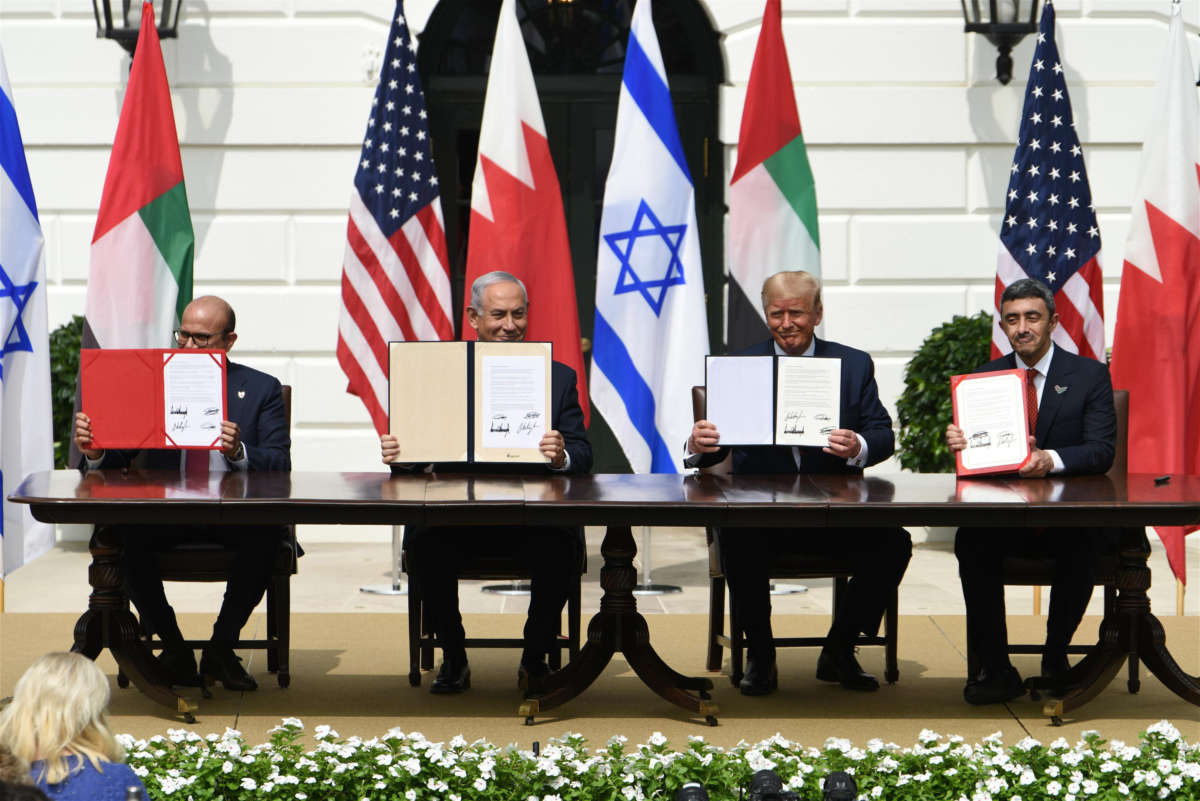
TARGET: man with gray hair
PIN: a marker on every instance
(498, 313)
(1076, 430)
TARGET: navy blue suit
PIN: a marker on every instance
(1076, 419)
(434, 553)
(880, 554)
(254, 401)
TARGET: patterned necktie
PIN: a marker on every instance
(1031, 401)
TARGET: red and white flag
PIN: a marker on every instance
(396, 273)
(517, 221)
(1156, 352)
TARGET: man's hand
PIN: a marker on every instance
(83, 437)
(704, 438)
(554, 448)
(389, 448)
(231, 441)
(1039, 463)
(955, 439)
(843, 443)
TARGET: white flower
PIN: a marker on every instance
(1072, 758)
(249, 784)
(1027, 778)
(877, 791)
(1053, 788)
(1073, 787)
(1109, 766)
(323, 732)
(1165, 730)
(950, 772)
(1122, 788)
(480, 785)
(657, 739)
(411, 795)
(1026, 744)
(1174, 781)
(551, 798)
(1052, 770)
(928, 736)
(1090, 787)
(995, 784)
(126, 741)
(227, 767)
(141, 771)
(628, 792)
(1152, 779)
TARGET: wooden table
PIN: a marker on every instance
(620, 502)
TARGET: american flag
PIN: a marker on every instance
(395, 274)
(1049, 231)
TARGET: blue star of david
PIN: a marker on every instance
(622, 243)
(16, 338)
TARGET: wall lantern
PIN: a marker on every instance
(119, 20)
(1004, 23)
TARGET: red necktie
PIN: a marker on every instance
(1031, 401)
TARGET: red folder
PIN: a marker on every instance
(1020, 438)
(122, 392)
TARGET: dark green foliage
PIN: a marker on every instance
(957, 347)
(64, 370)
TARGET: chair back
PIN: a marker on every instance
(699, 410)
(1121, 458)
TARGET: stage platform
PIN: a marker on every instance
(348, 671)
(349, 659)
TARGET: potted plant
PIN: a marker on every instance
(958, 346)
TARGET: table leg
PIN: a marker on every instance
(108, 623)
(1130, 630)
(619, 627)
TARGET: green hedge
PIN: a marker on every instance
(408, 767)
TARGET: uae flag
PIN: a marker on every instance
(140, 278)
(517, 221)
(772, 196)
(1156, 348)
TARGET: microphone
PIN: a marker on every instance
(839, 786)
(692, 791)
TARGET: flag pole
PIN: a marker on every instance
(1180, 590)
(1, 596)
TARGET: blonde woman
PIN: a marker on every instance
(58, 723)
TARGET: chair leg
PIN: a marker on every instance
(737, 647)
(414, 636)
(272, 624)
(574, 618)
(891, 634)
(283, 626)
(716, 620)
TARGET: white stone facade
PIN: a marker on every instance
(909, 135)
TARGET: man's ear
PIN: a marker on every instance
(473, 317)
(230, 338)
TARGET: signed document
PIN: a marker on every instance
(990, 410)
(808, 400)
(773, 400)
(469, 401)
(512, 400)
(154, 398)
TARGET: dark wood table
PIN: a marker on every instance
(620, 502)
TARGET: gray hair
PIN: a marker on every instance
(1028, 288)
(488, 279)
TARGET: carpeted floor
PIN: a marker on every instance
(349, 671)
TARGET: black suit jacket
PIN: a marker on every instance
(861, 412)
(566, 417)
(1075, 416)
(253, 400)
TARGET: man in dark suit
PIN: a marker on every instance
(792, 305)
(255, 437)
(1076, 433)
(498, 314)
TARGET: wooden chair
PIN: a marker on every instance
(487, 567)
(210, 562)
(793, 566)
(1039, 572)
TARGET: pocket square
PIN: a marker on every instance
(1059, 389)
(242, 392)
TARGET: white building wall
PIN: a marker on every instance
(909, 135)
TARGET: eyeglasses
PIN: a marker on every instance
(201, 340)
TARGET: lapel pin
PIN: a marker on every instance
(242, 392)
(1059, 389)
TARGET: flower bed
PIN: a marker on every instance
(408, 767)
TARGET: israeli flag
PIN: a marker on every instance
(26, 443)
(651, 335)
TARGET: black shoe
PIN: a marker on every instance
(1054, 670)
(220, 663)
(179, 664)
(453, 676)
(531, 672)
(760, 678)
(841, 666)
(995, 687)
